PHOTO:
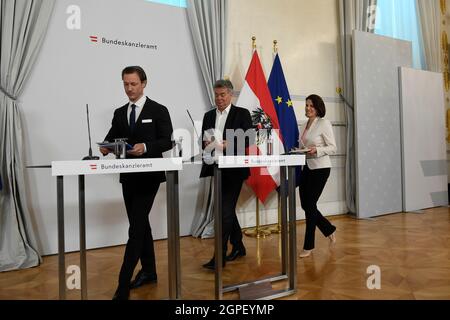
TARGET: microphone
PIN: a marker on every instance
(195, 131)
(193, 123)
(90, 156)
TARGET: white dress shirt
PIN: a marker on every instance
(221, 119)
(139, 106)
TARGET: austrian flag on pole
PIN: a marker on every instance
(255, 96)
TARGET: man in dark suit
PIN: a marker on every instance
(227, 130)
(147, 127)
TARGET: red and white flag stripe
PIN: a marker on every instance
(255, 94)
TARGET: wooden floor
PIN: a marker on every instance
(412, 250)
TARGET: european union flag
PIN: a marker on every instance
(284, 107)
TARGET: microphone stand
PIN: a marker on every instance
(90, 156)
(195, 131)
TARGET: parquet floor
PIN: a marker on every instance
(412, 251)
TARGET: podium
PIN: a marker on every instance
(288, 227)
(171, 166)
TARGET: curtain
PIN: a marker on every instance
(399, 19)
(354, 15)
(429, 21)
(207, 19)
(23, 28)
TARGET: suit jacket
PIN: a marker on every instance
(238, 118)
(155, 132)
(320, 134)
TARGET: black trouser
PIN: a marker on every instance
(231, 230)
(312, 183)
(138, 202)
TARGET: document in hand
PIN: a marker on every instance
(299, 151)
(111, 145)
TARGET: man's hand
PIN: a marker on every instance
(217, 146)
(138, 150)
(222, 146)
(104, 151)
(206, 143)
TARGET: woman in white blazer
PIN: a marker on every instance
(317, 137)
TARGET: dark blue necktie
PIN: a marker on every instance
(133, 117)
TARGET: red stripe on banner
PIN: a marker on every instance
(257, 82)
(260, 179)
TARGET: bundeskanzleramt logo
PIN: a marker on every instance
(93, 166)
(123, 43)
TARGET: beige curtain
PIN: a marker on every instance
(207, 22)
(429, 15)
(354, 15)
(23, 28)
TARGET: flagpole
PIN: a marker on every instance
(275, 48)
(256, 232)
(276, 228)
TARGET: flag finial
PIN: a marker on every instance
(254, 42)
(275, 46)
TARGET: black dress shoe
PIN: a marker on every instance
(211, 265)
(122, 294)
(143, 278)
(236, 253)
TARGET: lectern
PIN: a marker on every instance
(171, 166)
(288, 227)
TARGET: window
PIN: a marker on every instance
(177, 3)
(398, 19)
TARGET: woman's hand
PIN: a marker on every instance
(312, 151)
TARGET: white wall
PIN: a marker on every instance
(72, 71)
(308, 42)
